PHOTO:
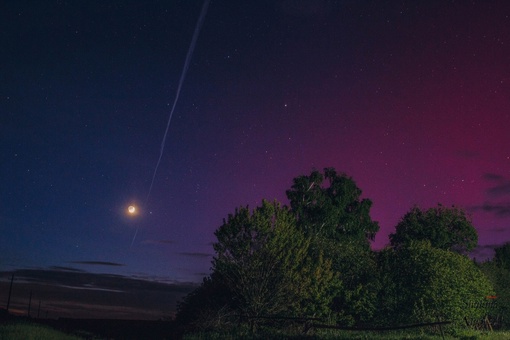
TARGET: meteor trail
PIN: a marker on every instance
(181, 81)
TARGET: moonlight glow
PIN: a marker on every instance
(131, 209)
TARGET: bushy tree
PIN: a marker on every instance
(319, 286)
(329, 210)
(502, 256)
(498, 272)
(262, 258)
(422, 283)
(314, 259)
(329, 205)
(354, 300)
(209, 306)
(444, 228)
(388, 297)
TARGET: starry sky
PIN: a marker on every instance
(409, 98)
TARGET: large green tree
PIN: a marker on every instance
(262, 258)
(330, 211)
(502, 256)
(422, 283)
(498, 272)
(355, 304)
(329, 205)
(444, 228)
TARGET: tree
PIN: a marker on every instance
(209, 306)
(319, 284)
(445, 228)
(498, 272)
(329, 210)
(333, 210)
(502, 256)
(262, 258)
(422, 283)
(355, 304)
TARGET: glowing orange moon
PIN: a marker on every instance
(131, 209)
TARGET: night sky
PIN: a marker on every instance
(411, 99)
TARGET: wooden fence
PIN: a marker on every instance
(310, 323)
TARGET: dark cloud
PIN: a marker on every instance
(154, 278)
(494, 205)
(98, 263)
(196, 254)
(67, 269)
(499, 190)
(500, 230)
(493, 177)
(498, 209)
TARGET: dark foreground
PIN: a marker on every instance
(104, 328)
(116, 329)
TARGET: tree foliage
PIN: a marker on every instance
(354, 303)
(314, 259)
(262, 258)
(498, 272)
(207, 307)
(445, 228)
(329, 210)
(319, 285)
(329, 205)
(423, 283)
(502, 256)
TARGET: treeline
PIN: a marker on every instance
(313, 259)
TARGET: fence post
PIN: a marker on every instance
(488, 324)
(306, 327)
(29, 304)
(10, 291)
(440, 328)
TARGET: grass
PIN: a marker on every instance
(349, 335)
(30, 331)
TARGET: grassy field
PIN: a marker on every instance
(23, 328)
(30, 331)
(348, 335)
